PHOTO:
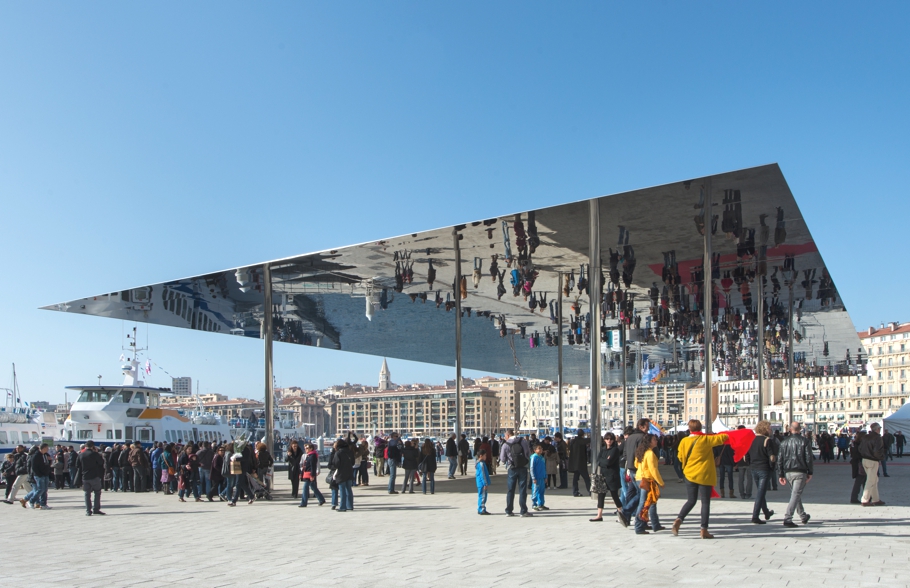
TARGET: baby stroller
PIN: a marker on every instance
(258, 489)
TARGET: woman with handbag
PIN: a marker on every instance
(427, 465)
(309, 469)
(294, 458)
(168, 469)
(606, 476)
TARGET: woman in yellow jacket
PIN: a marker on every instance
(696, 454)
(649, 483)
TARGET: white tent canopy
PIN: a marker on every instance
(718, 426)
(899, 421)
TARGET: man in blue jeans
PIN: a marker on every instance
(452, 455)
(393, 460)
(516, 456)
(630, 500)
(41, 471)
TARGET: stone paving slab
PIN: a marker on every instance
(150, 540)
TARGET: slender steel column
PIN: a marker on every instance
(708, 292)
(456, 237)
(622, 342)
(267, 334)
(562, 423)
(760, 355)
(792, 344)
(594, 289)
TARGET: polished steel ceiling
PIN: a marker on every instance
(395, 297)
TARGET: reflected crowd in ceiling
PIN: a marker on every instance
(396, 297)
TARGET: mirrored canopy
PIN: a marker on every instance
(396, 297)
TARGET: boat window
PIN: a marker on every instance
(110, 434)
(3, 438)
(144, 435)
(123, 396)
(153, 400)
(129, 433)
(139, 398)
(134, 412)
(95, 396)
(14, 437)
(167, 436)
(118, 433)
(84, 434)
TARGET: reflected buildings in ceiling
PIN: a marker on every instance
(396, 297)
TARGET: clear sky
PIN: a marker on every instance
(141, 142)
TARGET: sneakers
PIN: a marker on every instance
(758, 521)
(98, 512)
(525, 515)
(806, 519)
(790, 524)
(771, 514)
(510, 514)
(45, 507)
(484, 512)
(543, 508)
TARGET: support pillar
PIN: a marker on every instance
(760, 341)
(594, 289)
(708, 291)
(267, 333)
(559, 328)
(791, 345)
(456, 237)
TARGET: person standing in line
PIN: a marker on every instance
(872, 451)
(91, 464)
(578, 462)
(428, 463)
(464, 452)
(139, 462)
(452, 455)
(794, 466)
(482, 477)
(71, 467)
(310, 474)
(187, 470)
(760, 460)
(217, 472)
(516, 455)
(538, 478)
(60, 469)
(116, 472)
(393, 459)
(205, 457)
(899, 441)
(857, 471)
(696, 454)
(552, 459)
(410, 459)
(126, 469)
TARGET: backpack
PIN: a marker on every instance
(517, 454)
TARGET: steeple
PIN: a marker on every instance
(385, 377)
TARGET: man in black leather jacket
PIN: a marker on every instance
(794, 466)
(872, 450)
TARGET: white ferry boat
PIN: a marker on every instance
(22, 425)
(132, 412)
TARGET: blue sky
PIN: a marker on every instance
(141, 142)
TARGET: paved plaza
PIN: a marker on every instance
(438, 540)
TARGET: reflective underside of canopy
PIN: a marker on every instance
(382, 298)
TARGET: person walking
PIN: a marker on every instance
(294, 459)
(482, 477)
(760, 460)
(696, 454)
(8, 469)
(794, 467)
(608, 459)
(264, 463)
(647, 475)
(310, 474)
(899, 440)
(217, 475)
(40, 468)
(187, 468)
(363, 472)
(872, 451)
(452, 455)
(578, 462)
(205, 456)
(155, 460)
(516, 456)
(744, 472)
(723, 458)
(428, 465)
(629, 447)
(410, 458)
(241, 467)
(91, 464)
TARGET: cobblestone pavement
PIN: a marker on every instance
(438, 540)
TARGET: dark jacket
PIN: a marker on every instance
(629, 447)
(115, 458)
(872, 447)
(794, 455)
(725, 452)
(40, 465)
(759, 455)
(311, 464)
(428, 461)
(856, 460)
(410, 457)
(578, 455)
(464, 448)
(205, 456)
(608, 461)
(451, 448)
(293, 460)
(91, 464)
(343, 463)
(21, 464)
(216, 469)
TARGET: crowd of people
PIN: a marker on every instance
(626, 468)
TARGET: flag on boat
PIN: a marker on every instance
(148, 367)
(122, 357)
